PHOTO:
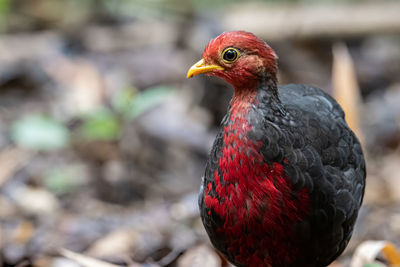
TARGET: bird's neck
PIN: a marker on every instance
(264, 93)
(241, 101)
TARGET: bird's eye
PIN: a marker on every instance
(230, 55)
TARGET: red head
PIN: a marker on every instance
(239, 57)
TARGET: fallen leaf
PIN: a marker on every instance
(345, 86)
(367, 252)
(83, 83)
(392, 254)
(336, 264)
(23, 232)
(61, 262)
(35, 201)
(83, 260)
(10, 159)
(390, 173)
(199, 256)
(117, 243)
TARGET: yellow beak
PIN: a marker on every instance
(201, 67)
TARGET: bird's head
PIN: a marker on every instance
(238, 57)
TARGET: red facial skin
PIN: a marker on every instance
(256, 59)
(254, 195)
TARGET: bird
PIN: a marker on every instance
(285, 177)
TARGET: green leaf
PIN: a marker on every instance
(62, 180)
(148, 99)
(101, 125)
(122, 100)
(40, 133)
(374, 264)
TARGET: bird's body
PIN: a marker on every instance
(285, 178)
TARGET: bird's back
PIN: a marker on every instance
(320, 189)
(329, 162)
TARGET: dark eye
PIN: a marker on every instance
(230, 55)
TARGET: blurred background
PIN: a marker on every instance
(103, 140)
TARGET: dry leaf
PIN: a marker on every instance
(23, 232)
(117, 243)
(36, 201)
(85, 261)
(390, 173)
(198, 257)
(336, 264)
(392, 254)
(83, 82)
(10, 159)
(345, 86)
(367, 252)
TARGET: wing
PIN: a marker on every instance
(321, 153)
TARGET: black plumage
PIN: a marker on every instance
(286, 176)
(306, 126)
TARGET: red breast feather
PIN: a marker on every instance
(254, 199)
